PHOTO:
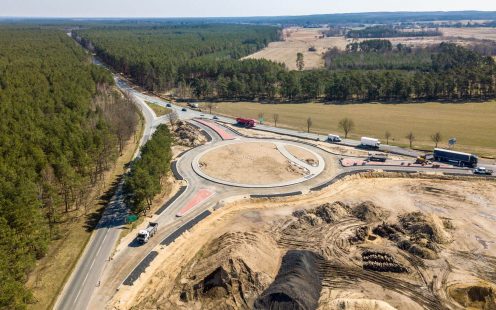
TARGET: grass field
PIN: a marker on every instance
(159, 110)
(473, 124)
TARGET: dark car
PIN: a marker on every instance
(215, 117)
(184, 109)
(168, 105)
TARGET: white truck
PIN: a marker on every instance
(370, 143)
(333, 138)
(145, 234)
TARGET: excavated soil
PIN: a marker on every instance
(359, 245)
(188, 135)
(302, 154)
(250, 163)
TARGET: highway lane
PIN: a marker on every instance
(86, 274)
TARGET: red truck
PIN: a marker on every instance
(245, 122)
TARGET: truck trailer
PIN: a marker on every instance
(145, 234)
(456, 158)
(370, 143)
(245, 122)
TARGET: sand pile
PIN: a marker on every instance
(297, 285)
(356, 304)
(369, 212)
(417, 233)
(231, 272)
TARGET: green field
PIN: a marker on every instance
(473, 124)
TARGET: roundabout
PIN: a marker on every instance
(252, 163)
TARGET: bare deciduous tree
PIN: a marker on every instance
(436, 138)
(347, 125)
(309, 124)
(387, 135)
(210, 106)
(173, 118)
(411, 137)
(275, 118)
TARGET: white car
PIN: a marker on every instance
(483, 171)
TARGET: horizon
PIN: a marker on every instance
(158, 9)
(231, 16)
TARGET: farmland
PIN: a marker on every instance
(471, 123)
(299, 40)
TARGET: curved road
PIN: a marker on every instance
(102, 270)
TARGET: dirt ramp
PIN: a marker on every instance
(230, 272)
(297, 285)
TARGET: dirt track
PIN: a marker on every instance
(240, 237)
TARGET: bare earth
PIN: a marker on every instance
(302, 154)
(441, 254)
(299, 40)
(249, 163)
(482, 33)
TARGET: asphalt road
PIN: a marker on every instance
(86, 275)
(101, 270)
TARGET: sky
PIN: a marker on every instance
(219, 8)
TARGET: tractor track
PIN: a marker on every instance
(419, 294)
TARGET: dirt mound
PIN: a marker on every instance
(428, 226)
(231, 272)
(369, 212)
(188, 135)
(357, 304)
(297, 285)
(417, 233)
(476, 297)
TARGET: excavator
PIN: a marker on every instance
(425, 159)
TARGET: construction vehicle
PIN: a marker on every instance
(379, 157)
(425, 159)
(245, 122)
(145, 234)
(370, 143)
(456, 158)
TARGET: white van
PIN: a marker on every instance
(333, 138)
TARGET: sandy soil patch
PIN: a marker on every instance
(299, 40)
(482, 33)
(302, 154)
(453, 219)
(249, 163)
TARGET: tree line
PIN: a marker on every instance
(59, 133)
(161, 57)
(390, 32)
(372, 70)
(145, 179)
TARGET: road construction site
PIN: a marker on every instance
(255, 207)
